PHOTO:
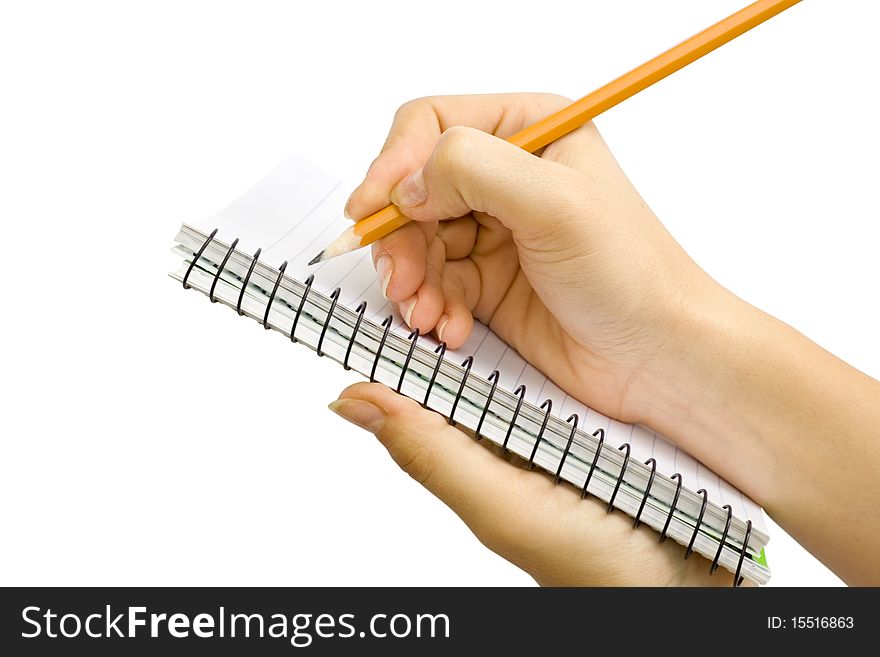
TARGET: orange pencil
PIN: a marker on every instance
(369, 229)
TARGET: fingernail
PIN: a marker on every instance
(363, 414)
(411, 190)
(345, 211)
(442, 325)
(385, 267)
(406, 309)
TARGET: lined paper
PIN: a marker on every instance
(296, 210)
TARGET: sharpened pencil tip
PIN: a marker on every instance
(347, 242)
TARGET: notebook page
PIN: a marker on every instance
(296, 210)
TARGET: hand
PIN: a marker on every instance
(558, 254)
(545, 529)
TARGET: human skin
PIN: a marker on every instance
(561, 257)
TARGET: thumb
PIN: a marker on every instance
(545, 529)
(484, 490)
(470, 170)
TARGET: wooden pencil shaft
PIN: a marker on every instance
(627, 85)
(559, 124)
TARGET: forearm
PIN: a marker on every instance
(789, 423)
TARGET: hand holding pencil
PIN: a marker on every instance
(558, 253)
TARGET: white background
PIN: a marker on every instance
(150, 437)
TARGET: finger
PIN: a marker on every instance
(485, 491)
(401, 257)
(429, 290)
(413, 133)
(461, 289)
(418, 125)
(396, 161)
(400, 260)
(470, 170)
(459, 236)
(423, 309)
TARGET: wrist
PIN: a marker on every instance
(707, 385)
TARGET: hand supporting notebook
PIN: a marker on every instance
(545, 529)
(562, 258)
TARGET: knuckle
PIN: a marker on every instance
(457, 136)
(413, 105)
(411, 450)
(418, 463)
(455, 145)
(556, 99)
(404, 109)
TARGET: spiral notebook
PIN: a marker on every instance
(252, 256)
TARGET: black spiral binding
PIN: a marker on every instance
(624, 447)
(441, 352)
(466, 364)
(302, 304)
(721, 542)
(671, 507)
(520, 393)
(387, 324)
(196, 257)
(600, 434)
(690, 548)
(274, 292)
(574, 427)
(334, 297)
(362, 307)
(247, 278)
(547, 404)
(493, 378)
(737, 580)
(653, 463)
(221, 268)
(414, 338)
